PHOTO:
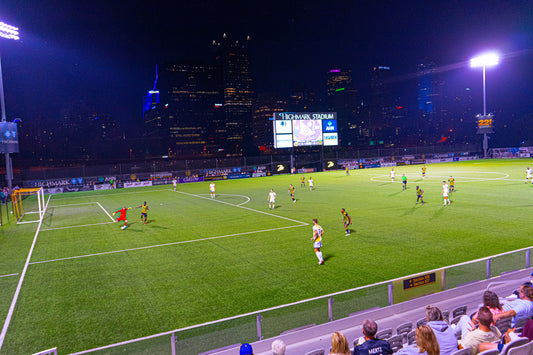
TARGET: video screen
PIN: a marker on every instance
(283, 126)
(283, 141)
(307, 132)
(9, 142)
(331, 138)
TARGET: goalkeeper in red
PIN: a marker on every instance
(347, 221)
(122, 216)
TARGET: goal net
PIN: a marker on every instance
(28, 205)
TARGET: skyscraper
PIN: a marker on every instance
(264, 108)
(192, 113)
(381, 103)
(342, 98)
(432, 109)
(233, 59)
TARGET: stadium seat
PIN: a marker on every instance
(466, 351)
(421, 321)
(455, 320)
(459, 311)
(403, 329)
(384, 334)
(316, 352)
(526, 349)
(513, 344)
(503, 324)
(396, 342)
(490, 352)
(520, 323)
(411, 337)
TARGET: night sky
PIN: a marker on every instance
(105, 52)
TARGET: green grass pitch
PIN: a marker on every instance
(89, 283)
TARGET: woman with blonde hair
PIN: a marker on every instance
(426, 343)
(339, 344)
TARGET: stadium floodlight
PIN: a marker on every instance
(485, 60)
(9, 32)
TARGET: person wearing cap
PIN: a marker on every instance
(246, 349)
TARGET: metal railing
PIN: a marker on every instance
(270, 322)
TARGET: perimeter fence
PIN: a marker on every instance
(319, 159)
(270, 322)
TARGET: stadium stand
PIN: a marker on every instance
(465, 297)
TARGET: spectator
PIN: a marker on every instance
(278, 347)
(426, 343)
(246, 349)
(443, 332)
(520, 308)
(371, 345)
(485, 333)
(491, 301)
(339, 345)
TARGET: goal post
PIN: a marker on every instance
(28, 205)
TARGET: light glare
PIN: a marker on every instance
(9, 32)
(485, 60)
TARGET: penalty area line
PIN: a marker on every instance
(162, 245)
(105, 211)
(81, 225)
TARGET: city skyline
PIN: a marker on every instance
(105, 53)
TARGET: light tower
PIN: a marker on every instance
(8, 32)
(485, 121)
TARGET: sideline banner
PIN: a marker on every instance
(191, 179)
(137, 184)
(102, 187)
(418, 286)
(239, 176)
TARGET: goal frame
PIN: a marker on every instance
(18, 203)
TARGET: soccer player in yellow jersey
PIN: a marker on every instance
(424, 172)
(291, 192)
(451, 183)
(302, 181)
(144, 212)
(419, 195)
(347, 221)
(528, 175)
(318, 232)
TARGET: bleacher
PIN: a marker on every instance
(465, 299)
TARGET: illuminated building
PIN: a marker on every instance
(193, 109)
(233, 59)
(264, 108)
(342, 98)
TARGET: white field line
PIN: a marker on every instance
(107, 213)
(21, 280)
(8, 275)
(81, 225)
(162, 245)
(246, 208)
(108, 195)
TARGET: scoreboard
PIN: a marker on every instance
(300, 129)
(485, 123)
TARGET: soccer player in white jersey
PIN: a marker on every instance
(445, 193)
(175, 183)
(212, 188)
(392, 174)
(318, 232)
(310, 181)
(528, 175)
(271, 199)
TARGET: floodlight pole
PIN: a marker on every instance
(485, 138)
(9, 167)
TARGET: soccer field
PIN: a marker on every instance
(89, 283)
